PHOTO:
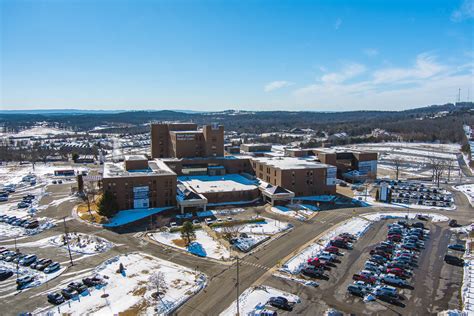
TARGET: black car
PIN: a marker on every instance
(89, 282)
(280, 302)
(55, 298)
(32, 224)
(78, 286)
(454, 260)
(68, 293)
(387, 298)
(418, 225)
(453, 223)
(457, 247)
(355, 290)
(5, 274)
(312, 273)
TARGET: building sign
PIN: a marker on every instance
(185, 137)
(366, 167)
(331, 175)
(140, 197)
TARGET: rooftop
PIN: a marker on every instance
(225, 183)
(290, 163)
(155, 168)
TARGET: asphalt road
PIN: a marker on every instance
(220, 291)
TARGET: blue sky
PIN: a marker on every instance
(251, 55)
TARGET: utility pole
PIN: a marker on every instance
(237, 286)
(67, 240)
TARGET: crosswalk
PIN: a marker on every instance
(254, 265)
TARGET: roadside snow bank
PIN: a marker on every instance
(81, 243)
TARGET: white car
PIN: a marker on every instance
(173, 225)
(392, 279)
(209, 221)
(386, 289)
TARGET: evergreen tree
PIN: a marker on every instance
(108, 206)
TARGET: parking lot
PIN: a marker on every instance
(435, 283)
(420, 194)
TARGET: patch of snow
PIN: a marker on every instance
(82, 243)
(253, 300)
(468, 191)
(212, 248)
(131, 289)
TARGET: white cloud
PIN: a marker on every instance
(338, 23)
(348, 72)
(275, 85)
(426, 82)
(371, 52)
(465, 12)
(425, 66)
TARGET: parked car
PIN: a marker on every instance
(280, 302)
(22, 282)
(453, 223)
(454, 260)
(52, 267)
(5, 274)
(356, 290)
(312, 272)
(393, 279)
(364, 278)
(68, 293)
(386, 289)
(27, 260)
(56, 298)
(78, 286)
(332, 249)
(93, 281)
(457, 247)
(42, 265)
(316, 262)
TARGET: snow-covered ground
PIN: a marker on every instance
(8, 231)
(252, 301)
(213, 249)
(468, 191)
(355, 226)
(131, 292)
(298, 211)
(267, 227)
(38, 131)
(82, 243)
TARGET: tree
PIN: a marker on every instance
(157, 281)
(108, 206)
(437, 167)
(89, 195)
(75, 156)
(397, 163)
(377, 195)
(187, 232)
(230, 232)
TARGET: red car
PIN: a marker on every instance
(364, 278)
(331, 249)
(316, 262)
(398, 272)
(395, 238)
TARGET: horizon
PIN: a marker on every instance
(262, 55)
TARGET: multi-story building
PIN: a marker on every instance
(139, 183)
(303, 176)
(185, 140)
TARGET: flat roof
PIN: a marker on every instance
(199, 131)
(155, 168)
(290, 163)
(135, 157)
(225, 183)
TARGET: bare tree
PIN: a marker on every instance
(230, 232)
(450, 165)
(157, 281)
(437, 167)
(90, 192)
(397, 162)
